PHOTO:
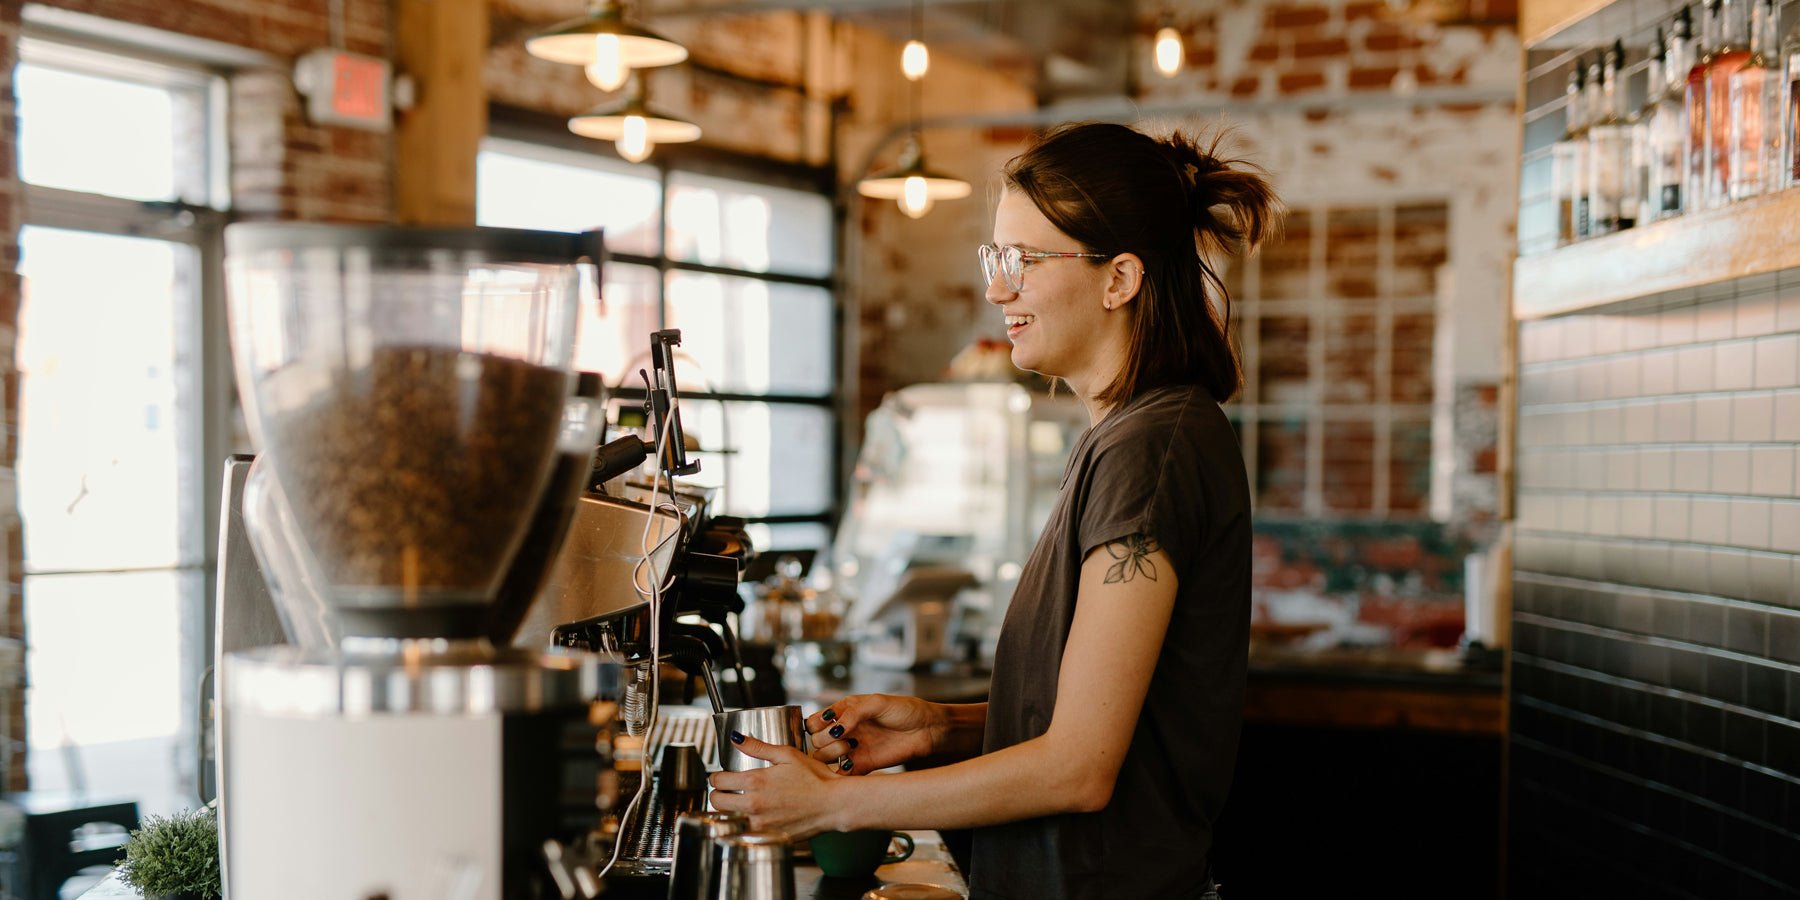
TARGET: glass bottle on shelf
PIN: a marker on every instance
(1753, 109)
(1731, 53)
(1646, 174)
(1668, 131)
(1694, 105)
(1790, 102)
(1568, 169)
(1591, 99)
(1609, 152)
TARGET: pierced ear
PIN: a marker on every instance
(1127, 272)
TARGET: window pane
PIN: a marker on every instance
(1421, 246)
(1286, 272)
(613, 331)
(1413, 337)
(716, 222)
(1352, 253)
(514, 191)
(1350, 466)
(1350, 359)
(1281, 464)
(1282, 360)
(100, 409)
(1409, 467)
(769, 458)
(70, 127)
(753, 337)
(106, 680)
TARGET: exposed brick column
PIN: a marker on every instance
(12, 677)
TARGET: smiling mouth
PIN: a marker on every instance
(1017, 324)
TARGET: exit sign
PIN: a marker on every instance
(346, 89)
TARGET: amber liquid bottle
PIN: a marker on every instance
(1732, 53)
(1755, 108)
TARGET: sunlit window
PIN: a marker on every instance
(112, 413)
(743, 269)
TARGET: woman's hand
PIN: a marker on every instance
(796, 795)
(865, 732)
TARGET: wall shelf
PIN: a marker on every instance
(1539, 19)
(1749, 238)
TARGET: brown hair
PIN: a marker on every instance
(1173, 202)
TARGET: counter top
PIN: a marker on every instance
(1375, 688)
(930, 863)
(1442, 669)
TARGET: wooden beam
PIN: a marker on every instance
(442, 45)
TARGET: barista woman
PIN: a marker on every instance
(1100, 763)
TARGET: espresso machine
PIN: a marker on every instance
(701, 558)
(422, 449)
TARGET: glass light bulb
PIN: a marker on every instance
(1168, 52)
(915, 197)
(915, 60)
(608, 70)
(634, 142)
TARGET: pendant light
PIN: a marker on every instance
(915, 59)
(911, 183)
(1169, 51)
(916, 187)
(605, 45)
(634, 126)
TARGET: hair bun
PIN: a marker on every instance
(1210, 182)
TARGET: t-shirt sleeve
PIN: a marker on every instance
(1150, 483)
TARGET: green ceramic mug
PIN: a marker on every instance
(848, 854)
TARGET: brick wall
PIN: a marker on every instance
(1656, 679)
(1247, 50)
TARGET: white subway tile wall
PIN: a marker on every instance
(1656, 615)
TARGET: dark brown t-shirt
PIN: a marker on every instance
(1165, 464)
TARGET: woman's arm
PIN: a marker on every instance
(1122, 609)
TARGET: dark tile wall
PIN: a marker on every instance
(1655, 742)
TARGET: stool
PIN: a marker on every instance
(53, 853)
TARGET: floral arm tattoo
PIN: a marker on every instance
(1132, 553)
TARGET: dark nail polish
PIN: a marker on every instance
(853, 744)
(828, 715)
(737, 737)
(837, 731)
(846, 764)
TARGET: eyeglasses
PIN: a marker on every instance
(1009, 262)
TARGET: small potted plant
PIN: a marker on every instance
(176, 858)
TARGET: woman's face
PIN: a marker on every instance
(1057, 320)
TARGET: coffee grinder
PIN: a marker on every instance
(410, 396)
